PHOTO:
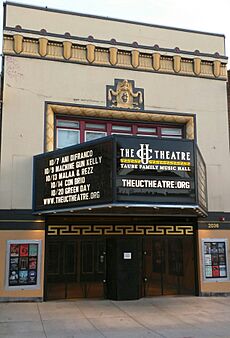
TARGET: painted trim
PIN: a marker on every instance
(120, 230)
(20, 220)
(123, 114)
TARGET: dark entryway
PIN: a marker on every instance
(124, 268)
(75, 268)
(119, 268)
(168, 266)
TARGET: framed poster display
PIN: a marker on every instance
(215, 260)
(23, 262)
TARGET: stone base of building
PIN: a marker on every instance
(214, 294)
(21, 299)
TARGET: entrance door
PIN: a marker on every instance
(92, 268)
(124, 256)
(75, 268)
(168, 266)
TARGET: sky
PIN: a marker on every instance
(202, 15)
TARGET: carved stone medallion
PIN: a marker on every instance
(124, 95)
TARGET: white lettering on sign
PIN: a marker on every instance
(67, 178)
(145, 153)
(160, 184)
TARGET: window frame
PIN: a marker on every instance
(39, 259)
(109, 123)
(214, 240)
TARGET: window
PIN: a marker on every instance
(68, 133)
(23, 264)
(73, 131)
(93, 135)
(171, 132)
(66, 138)
(215, 265)
(127, 129)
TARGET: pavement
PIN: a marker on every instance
(179, 317)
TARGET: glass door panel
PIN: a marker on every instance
(168, 266)
(174, 266)
(153, 265)
(75, 268)
(92, 273)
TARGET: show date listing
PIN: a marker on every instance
(69, 178)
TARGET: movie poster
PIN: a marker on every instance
(32, 278)
(215, 271)
(24, 250)
(32, 263)
(208, 260)
(223, 271)
(207, 247)
(14, 263)
(14, 250)
(23, 264)
(33, 251)
(23, 277)
(208, 271)
(13, 277)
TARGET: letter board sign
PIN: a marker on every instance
(115, 170)
(76, 176)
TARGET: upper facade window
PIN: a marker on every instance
(71, 131)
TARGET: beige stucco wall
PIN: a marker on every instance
(20, 235)
(104, 29)
(211, 286)
(28, 83)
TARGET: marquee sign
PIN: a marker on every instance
(116, 170)
(155, 170)
(73, 177)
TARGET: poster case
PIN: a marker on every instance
(215, 260)
(23, 264)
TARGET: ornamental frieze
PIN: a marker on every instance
(94, 54)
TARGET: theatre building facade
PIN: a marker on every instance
(114, 159)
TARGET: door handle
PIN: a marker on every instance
(101, 259)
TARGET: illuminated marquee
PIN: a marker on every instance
(113, 170)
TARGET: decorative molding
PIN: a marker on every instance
(67, 49)
(49, 137)
(216, 68)
(124, 95)
(120, 230)
(18, 43)
(156, 61)
(90, 53)
(114, 57)
(197, 66)
(135, 58)
(177, 63)
(81, 112)
(43, 43)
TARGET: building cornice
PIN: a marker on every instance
(106, 54)
(106, 18)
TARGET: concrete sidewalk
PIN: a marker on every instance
(178, 317)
